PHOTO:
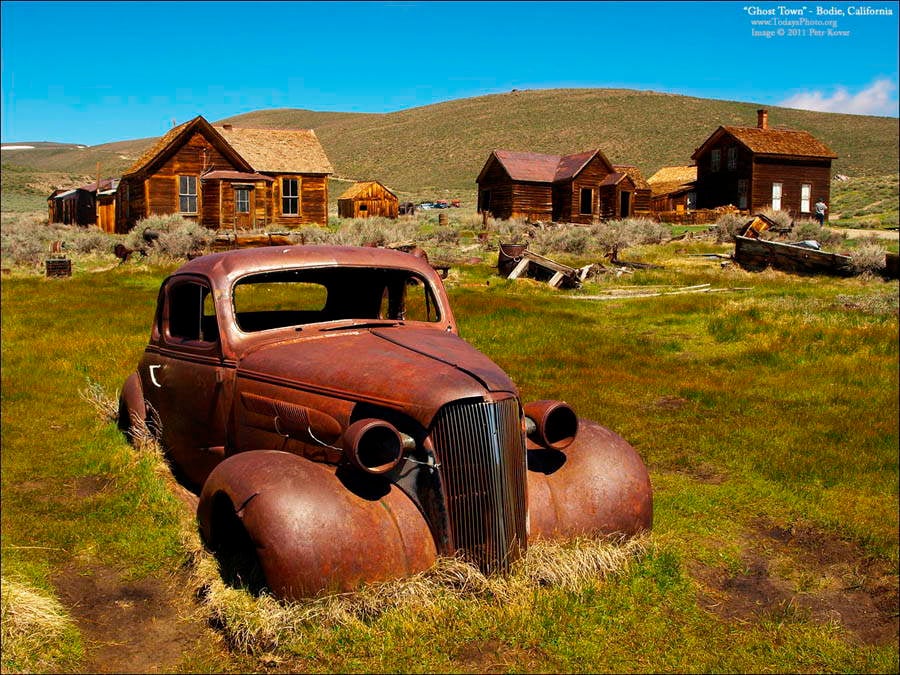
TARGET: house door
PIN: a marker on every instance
(624, 204)
(243, 196)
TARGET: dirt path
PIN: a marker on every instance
(890, 235)
(145, 626)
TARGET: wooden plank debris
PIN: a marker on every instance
(647, 292)
(757, 254)
(516, 261)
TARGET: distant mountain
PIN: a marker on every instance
(442, 147)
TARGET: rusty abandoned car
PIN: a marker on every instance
(321, 402)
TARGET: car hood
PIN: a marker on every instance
(411, 369)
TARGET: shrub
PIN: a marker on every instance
(728, 226)
(783, 218)
(177, 236)
(868, 259)
(809, 229)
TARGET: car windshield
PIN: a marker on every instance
(307, 296)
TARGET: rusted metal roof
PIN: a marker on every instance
(236, 175)
(278, 150)
(769, 141)
(536, 167)
(613, 179)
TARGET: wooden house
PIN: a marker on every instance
(672, 187)
(368, 198)
(228, 177)
(77, 206)
(757, 167)
(642, 191)
(578, 188)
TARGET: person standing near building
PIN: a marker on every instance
(821, 208)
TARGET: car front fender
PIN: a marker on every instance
(598, 485)
(315, 528)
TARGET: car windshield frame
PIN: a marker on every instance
(361, 296)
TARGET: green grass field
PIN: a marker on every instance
(767, 415)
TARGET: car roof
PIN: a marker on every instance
(226, 266)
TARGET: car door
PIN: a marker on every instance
(185, 379)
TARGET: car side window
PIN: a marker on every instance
(192, 313)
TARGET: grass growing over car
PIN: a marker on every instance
(767, 415)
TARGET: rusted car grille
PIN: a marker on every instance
(482, 452)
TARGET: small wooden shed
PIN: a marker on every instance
(368, 198)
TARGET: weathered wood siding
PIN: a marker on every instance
(792, 174)
(718, 188)
(106, 213)
(588, 178)
(513, 199)
(373, 200)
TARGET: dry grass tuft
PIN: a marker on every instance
(259, 624)
(31, 621)
(95, 395)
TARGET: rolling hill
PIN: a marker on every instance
(439, 149)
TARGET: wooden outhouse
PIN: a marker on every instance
(228, 177)
(757, 167)
(368, 198)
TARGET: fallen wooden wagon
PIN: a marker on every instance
(758, 254)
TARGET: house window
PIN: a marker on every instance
(187, 194)
(732, 158)
(242, 200)
(715, 160)
(290, 196)
(776, 196)
(805, 193)
(742, 189)
(587, 201)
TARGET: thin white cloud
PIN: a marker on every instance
(876, 99)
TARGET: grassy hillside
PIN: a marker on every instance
(439, 149)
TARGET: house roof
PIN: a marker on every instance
(105, 184)
(536, 167)
(773, 142)
(634, 174)
(171, 139)
(671, 179)
(614, 178)
(279, 150)
(360, 188)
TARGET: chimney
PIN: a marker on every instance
(762, 118)
(227, 127)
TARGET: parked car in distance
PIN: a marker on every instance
(339, 430)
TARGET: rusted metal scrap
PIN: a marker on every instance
(336, 427)
(515, 261)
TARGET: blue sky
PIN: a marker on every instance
(95, 72)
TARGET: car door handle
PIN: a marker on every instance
(153, 379)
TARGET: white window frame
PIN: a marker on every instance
(715, 160)
(187, 193)
(290, 198)
(777, 193)
(239, 201)
(805, 198)
(732, 158)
